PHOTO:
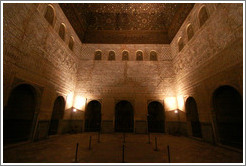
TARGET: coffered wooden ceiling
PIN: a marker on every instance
(126, 23)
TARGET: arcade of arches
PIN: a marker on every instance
(137, 68)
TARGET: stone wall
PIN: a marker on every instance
(135, 81)
(211, 58)
(33, 53)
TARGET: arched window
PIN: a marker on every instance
(98, 55)
(203, 15)
(71, 43)
(62, 31)
(189, 31)
(153, 56)
(50, 14)
(125, 55)
(180, 44)
(111, 55)
(139, 56)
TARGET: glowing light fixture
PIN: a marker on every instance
(74, 109)
(176, 111)
(171, 103)
(79, 102)
(69, 100)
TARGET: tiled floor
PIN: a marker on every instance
(61, 149)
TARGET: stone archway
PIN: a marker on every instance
(124, 117)
(93, 116)
(57, 115)
(18, 119)
(228, 110)
(193, 117)
(156, 117)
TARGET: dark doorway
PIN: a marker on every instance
(228, 107)
(93, 116)
(192, 117)
(156, 117)
(57, 115)
(18, 119)
(124, 117)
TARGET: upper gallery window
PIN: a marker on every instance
(71, 43)
(50, 14)
(98, 55)
(153, 56)
(139, 56)
(189, 31)
(125, 55)
(203, 15)
(180, 44)
(111, 55)
(62, 31)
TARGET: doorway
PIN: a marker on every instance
(93, 116)
(57, 115)
(156, 117)
(124, 117)
(228, 109)
(18, 119)
(193, 117)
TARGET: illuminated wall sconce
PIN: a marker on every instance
(79, 103)
(176, 111)
(74, 110)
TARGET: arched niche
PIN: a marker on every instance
(193, 117)
(98, 55)
(19, 113)
(124, 116)
(57, 115)
(228, 109)
(62, 31)
(203, 15)
(50, 14)
(153, 56)
(156, 117)
(111, 55)
(93, 116)
(125, 55)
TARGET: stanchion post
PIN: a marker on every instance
(149, 138)
(123, 153)
(90, 143)
(98, 137)
(156, 144)
(124, 139)
(168, 152)
(76, 153)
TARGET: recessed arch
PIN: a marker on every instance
(125, 55)
(71, 43)
(62, 31)
(19, 114)
(93, 116)
(57, 115)
(180, 44)
(193, 117)
(124, 116)
(156, 117)
(50, 14)
(98, 55)
(228, 110)
(203, 15)
(139, 55)
(111, 55)
(153, 56)
(189, 31)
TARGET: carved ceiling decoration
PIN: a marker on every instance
(132, 23)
